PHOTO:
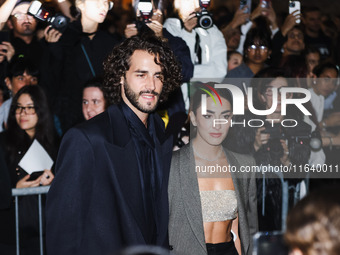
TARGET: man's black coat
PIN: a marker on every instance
(95, 202)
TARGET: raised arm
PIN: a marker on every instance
(5, 11)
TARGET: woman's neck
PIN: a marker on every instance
(203, 148)
(30, 133)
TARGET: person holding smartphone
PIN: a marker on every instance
(29, 120)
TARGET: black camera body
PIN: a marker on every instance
(57, 21)
(204, 19)
(300, 139)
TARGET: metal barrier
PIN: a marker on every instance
(29, 192)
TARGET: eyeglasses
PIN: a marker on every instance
(21, 16)
(254, 47)
(29, 110)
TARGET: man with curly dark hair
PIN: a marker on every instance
(110, 188)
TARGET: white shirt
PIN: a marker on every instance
(4, 112)
(318, 103)
(214, 49)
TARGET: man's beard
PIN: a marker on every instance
(26, 29)
(133, 99)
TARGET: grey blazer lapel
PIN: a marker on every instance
(239, 185)
(191, 196)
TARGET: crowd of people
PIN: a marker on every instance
(94, 85)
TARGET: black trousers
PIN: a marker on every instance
(227, 248)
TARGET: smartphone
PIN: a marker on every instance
(35, 175)
(293, 6)
(4, 36)
(265, 4)
(269, 243)
(244, 3)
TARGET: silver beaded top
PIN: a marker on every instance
(218, 205)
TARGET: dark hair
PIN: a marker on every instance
(230, 53)
(17, 138)
(197, 97)
(311, 49)
(313, 225)
(96, 82)
(319, 69)
(268, 75)
(19, 64)
(257, 34)
(307, 9)
(118, 62)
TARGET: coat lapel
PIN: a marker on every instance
(123, 159)
(238, 180)
(190, 191)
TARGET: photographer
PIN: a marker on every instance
(278, 146)
(154, 24)
(207, 46)
(77, 57)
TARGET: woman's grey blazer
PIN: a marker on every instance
(186, 233)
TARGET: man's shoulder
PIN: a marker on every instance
(103, 124)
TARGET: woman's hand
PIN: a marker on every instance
(24, 183)
(260, 138)
(46, 178)
(6, 51)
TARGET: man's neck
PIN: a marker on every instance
(26, 38)
(141, 115)
(290, 52)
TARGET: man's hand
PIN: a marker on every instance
(190, 22)
(271, 16)
(260, 138)
(52, 35)
(290, 22)
(240, 18)
(130, 30)
(6, 51)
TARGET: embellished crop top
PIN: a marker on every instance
(218, 205)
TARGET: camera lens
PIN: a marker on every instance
(291, 4)
(205, 22)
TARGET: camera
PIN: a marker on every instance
(301, 140)
(146, 12)
(204, 19)
(145, 8)
(57, 21)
